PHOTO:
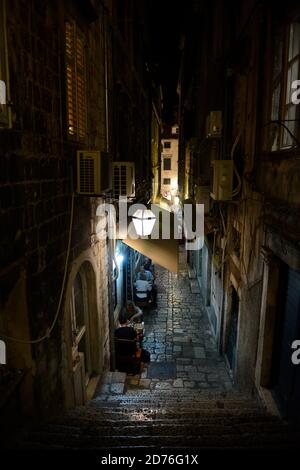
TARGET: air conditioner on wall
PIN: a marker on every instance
(222, 180)
(93, 172)
(123, 179)
(214, 124)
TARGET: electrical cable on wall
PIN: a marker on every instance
(115, 276)
(49, 330)
(237, 190)
(281, 123)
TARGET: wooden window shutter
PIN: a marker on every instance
(5, 113)
(80, 87)
(75, 82)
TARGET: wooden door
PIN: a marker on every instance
(286, 374)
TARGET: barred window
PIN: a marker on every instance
(286, 69)
(75, 82)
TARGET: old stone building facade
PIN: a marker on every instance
(235, 89)
(210, 362)
(169, 162)
(73, 83)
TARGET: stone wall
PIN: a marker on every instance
(37, 179)
(234, 58)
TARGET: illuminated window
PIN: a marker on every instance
(5, 114)
(75, 82)
(285, 72)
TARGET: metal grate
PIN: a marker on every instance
(120, 180)
(87, 174)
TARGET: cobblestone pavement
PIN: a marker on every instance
(178, 333)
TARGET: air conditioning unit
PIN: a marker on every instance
(214, 124)
(93, 172)
(123, 179)
(222, 180)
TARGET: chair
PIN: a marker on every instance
(127, 359)
(143, 303)
(146, 302)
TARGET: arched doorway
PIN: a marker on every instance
(80, 323)
(82, 333)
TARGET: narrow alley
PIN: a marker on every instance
(178, 336)
(149, 225)
(183, 399)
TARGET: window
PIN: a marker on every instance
(285, 72)
(167, 145)
(167, 164)
(167, 181)
(5, 113)
(75, 82)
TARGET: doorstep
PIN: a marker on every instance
(111, 383)
(91, 387)
(195, 289)
(268, 400)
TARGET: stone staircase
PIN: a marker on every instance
(147, 420)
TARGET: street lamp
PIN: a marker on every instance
(143, 221)
(119, 258)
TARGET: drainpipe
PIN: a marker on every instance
(222, 299)
(111, 318)
(111, 244)
(106, 81)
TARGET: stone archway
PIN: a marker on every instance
(82, 352)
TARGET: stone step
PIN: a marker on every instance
(228, 440)
(195, 288)
(149, 413)
(155, 420)
(187, 394)
(123, 420)
(162, 429)
(140, 404)
(174, 402)
(166, 397)
(171, 404)
(172, 411)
